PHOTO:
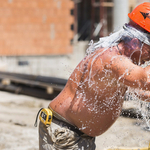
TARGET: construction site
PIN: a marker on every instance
(41, 43)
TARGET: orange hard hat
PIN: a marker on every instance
(141, 15)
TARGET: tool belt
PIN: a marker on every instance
(47, 115)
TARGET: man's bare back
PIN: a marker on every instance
(92, 98)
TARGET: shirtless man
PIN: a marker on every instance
(93, 96)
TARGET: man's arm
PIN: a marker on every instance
(130, 74)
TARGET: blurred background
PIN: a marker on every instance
(50, 37)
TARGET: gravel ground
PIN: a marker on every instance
(17, 131)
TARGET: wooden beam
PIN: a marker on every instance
(103, 4)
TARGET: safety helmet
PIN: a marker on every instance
(141, 15)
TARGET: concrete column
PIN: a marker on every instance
(120, 13)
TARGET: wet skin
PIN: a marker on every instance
(93, 96)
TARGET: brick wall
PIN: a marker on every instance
(35, 27)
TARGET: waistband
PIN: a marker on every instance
(58, 117)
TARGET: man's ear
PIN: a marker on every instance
(135, 44)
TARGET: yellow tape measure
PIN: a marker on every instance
(46, 116)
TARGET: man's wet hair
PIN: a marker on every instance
(132, 43)
(126, 39)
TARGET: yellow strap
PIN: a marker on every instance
(35, 124)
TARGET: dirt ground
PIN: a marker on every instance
(17, 131)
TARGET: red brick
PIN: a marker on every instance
(26, 26)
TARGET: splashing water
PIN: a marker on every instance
(144, 107)
(105, 43)
(140, 54)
